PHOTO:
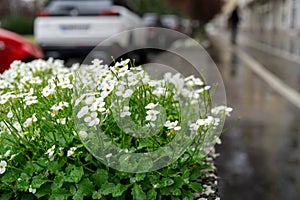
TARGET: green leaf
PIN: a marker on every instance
(55, 166)
(187, 195)
(72, 190)
(43, 191)
(138, 193)
(22, 185)
(38, 181)
(59, 194)
(86, 187)
(199, 159)
(195, 174)
(40, 165)
(108, 188)
(29, 169)
(166, 191)
(197, 187)
(58, 181)
(6, 196)
(97, 195)
(119, 190)
(78, 196)
(178, 182)
(151, 195)
(176, 192)
(9, 176)
(100, 177)
(75, 175)
(127, 162)
(144, 143)
(153, 178)
(165, 182)
(89, 158)
(140, 176)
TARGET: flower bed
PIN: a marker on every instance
(99, 132)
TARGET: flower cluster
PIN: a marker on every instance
(47, 112)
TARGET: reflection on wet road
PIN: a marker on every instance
(286, 70)
(260, 157)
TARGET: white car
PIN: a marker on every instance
(70, 28)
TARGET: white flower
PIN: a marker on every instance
(47, 91)
(209, 120)
(97, 62)
(207, 87)
(56, 107)
(108, 155)
(218, 140)
(198, 82)
(99, 105)
(4, 98)
(194, 127)
(153, 83)
(132, 79)
(122, 91)
(61, 121)
(123, 71)
(125, 112)
(29, 100)
(7, 153)
(65, 84)
(34, 119)
(151, 115)
(17, 126)
(63, 104)
(221, 109)
(10, 114)
(83, 111)
(71, 151)
(191, 81)
(106, 89)
(36, 80)
(90, 100)
(32, 190)
(83, 134)
(28, 122)
(204, 122)
(172, 125)
(3, 165)
(122, 63)
(176, 80)
(51, 151)
(159, 91)
(92, 120)
(151, 106)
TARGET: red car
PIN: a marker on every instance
(15, 47)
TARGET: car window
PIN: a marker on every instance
(78, 7)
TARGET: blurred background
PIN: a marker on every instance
(255, 44)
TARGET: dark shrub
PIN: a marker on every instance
(19, 24)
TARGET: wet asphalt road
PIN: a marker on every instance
(260, 157)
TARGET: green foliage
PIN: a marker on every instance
(20, 24)
(43, 157)
(157, 6)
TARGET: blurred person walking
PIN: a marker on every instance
(233, 22)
